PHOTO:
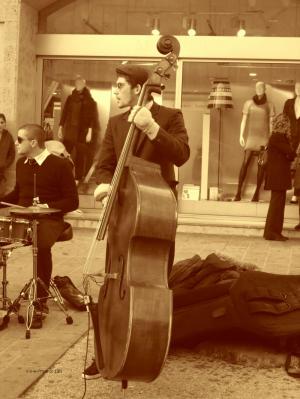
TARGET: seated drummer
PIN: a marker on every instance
(54, 188)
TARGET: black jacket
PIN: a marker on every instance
(169, 148)
(7, 151)
(78, 115)
(280, 156)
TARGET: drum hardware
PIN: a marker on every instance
(4, 255)
(33, 213)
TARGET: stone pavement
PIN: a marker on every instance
(205, 371)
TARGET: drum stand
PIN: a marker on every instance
(4, 255)
(30, 289)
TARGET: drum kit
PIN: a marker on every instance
(19, 230)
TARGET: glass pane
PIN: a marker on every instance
(222, 125)
(58, 83)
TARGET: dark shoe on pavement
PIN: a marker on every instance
(44, 308)
(297, 227)
(285, 238)
(37, 321)
(237, 197)
(276, 237)
(91, 372)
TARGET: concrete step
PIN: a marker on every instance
(197, 223)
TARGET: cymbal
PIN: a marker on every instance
(33, 211)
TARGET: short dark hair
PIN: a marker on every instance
(35, 132)
(2, 116)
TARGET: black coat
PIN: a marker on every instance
(169, 148)
(278, 167)
(78, 115)
(7, 151)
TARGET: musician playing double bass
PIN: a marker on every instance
(163, 140)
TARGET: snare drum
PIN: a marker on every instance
(13, 229)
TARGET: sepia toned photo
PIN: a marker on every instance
(149, 199)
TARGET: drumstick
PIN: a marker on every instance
(9, 204)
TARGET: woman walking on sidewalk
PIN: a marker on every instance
(278, 176)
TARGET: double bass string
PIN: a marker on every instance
(106, 211)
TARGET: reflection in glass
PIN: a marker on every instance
(100, 76)
(206, 163)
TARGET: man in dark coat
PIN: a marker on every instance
(278, 176)
(163, 137)
(163, 140)
(79, 125)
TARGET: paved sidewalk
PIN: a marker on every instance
(202, 372)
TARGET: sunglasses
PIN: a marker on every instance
(20, 139)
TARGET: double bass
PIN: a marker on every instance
(133, 328)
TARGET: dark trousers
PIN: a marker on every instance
(80, 153)
(275, 216)
(48, 231)
(248, 155)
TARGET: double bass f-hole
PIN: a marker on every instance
(108, 275)
(122, 290)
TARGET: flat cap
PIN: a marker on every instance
(138, 74)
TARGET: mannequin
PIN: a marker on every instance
(78, 119)
(255, 129)
(292, 110)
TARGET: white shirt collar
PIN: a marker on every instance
(41, 157)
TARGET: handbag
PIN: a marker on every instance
(262, 156)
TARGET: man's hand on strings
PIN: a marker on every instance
(101, 192)
(142, 118)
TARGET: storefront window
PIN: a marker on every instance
(217, 156)
(58, 83)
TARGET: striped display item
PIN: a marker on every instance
(220, 95)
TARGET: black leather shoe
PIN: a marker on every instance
(276, 238)
(297, 227)
(285, 238)
(37, 321)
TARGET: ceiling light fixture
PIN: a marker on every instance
(155, 26)
(252, 74)
(191, 28)
(242, 31)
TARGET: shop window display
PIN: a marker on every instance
(256, 125)
(81, 127)
(223, 156)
